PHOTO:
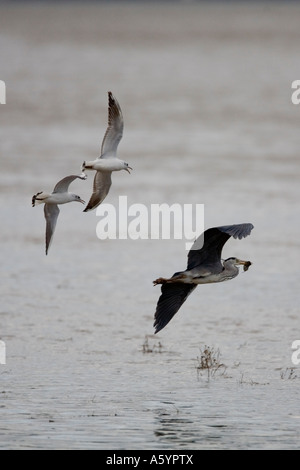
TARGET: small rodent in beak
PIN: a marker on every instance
(247, 265)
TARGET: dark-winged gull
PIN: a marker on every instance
(204, 266)
(60, 195)
(108, 161)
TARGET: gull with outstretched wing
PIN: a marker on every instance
(108, 161)
(60, 195)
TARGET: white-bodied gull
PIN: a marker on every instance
(204, 266)
(108, 161)
(60, 195)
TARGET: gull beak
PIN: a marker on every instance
(129, 168)
(246, 264)
(82, 201)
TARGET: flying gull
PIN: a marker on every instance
(60, 195)
(108, 161)
(204, 266)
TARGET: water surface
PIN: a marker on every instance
(206, 96)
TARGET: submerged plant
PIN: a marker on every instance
(288, 374)
(243, 380)
(209, 361)
(155, 348)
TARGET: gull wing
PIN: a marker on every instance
(171, 299)
(63, 185)
(51, 212)
(114, 131)
(102, 184)
(207, 249)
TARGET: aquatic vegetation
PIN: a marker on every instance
(244, 380)
(209, 361)
(288, 374)
(148, 348)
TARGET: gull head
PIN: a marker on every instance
(127, 167)
(76, 198)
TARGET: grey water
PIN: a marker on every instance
(205, 90)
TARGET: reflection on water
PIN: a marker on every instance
(170, 427)
(205, 91)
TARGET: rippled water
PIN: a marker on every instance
(206, 95)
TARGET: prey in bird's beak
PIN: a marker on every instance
(246, 264)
